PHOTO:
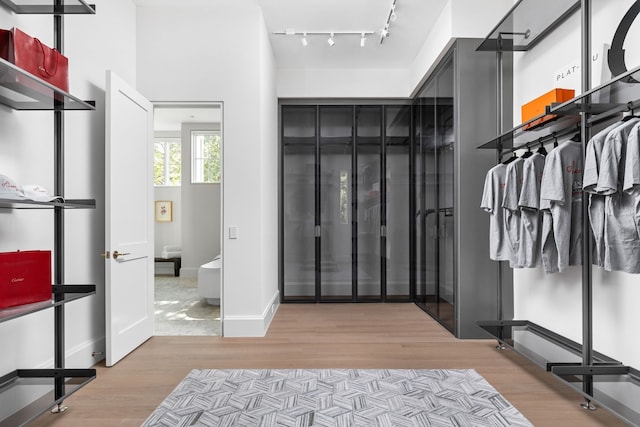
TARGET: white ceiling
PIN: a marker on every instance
(407, 34)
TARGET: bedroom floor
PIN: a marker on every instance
(179, 310)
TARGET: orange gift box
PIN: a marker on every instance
(538, 106)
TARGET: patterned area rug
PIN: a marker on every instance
(335, 397)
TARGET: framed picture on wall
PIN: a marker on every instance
(164, 211)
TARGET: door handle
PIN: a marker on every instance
(116, 254)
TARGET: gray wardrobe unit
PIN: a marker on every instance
(418, 235)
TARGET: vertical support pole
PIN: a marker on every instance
(587, 290)
(58, 129)
(499, 126)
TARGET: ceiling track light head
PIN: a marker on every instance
(391, 17)
(363, 39)
(304, 40)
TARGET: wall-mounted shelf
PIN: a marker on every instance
(563, 357)
(21, 90)
(606, 100)
(526, 24)
(602, 103)
(43, 7)
(19, 382)
(519, 138)
(67, 293)
(31, 204)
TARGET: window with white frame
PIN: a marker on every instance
(167, 166)
(205, 157)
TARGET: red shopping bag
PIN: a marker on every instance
(25, 277)
(33, 56)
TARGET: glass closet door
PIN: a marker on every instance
(299, 139)
(334, 202)
(434, 193)
(397, 179)
(369, 202)
(425, 194)
(445, 138)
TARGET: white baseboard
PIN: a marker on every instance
(86, 354)
(251, 326)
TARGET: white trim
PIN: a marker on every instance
(252, 326)
(82, 354)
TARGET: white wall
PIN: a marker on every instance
(342, 83)
(458, 19)
(554, 301)
(26, 143)
(202, 213)
(269, 156)
(217, 53)
(168, 233)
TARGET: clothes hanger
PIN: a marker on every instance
(555, 140)
(529, 153)
(629, 114)
(576, 137)
(510, 159)
(542, 150)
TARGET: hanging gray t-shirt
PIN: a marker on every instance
(512, 190)
(561, 188)
(492, 197)
(621, 238)
(530, 215)
(596, 201)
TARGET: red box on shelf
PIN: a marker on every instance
(25, 277)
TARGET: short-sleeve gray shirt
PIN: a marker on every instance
(530, 216)
(512, 190)
(561, 187)
(492, 197)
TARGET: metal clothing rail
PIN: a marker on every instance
(551, 137)
(592, 367)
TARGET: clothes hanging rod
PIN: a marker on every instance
(553, 136)
(607, 115)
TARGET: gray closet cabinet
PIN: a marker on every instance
(455, 280)
(380, 200)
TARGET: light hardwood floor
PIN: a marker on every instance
(323, 336)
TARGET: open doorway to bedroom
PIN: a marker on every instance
(188, 140)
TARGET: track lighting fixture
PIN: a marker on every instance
(331, 41)
(384, 33)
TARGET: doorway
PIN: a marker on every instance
(188, 140)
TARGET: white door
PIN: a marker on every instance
(128, 219)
